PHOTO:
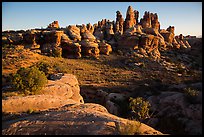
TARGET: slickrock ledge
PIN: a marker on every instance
(78, 119)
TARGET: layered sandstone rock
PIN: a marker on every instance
(168, 34)
(78, 119)
(51, 41)
(74, 33)
(130, 18)
(55, 94)
(53, 25)
(90, 28)
(89, 48)
(88, 35)
(70, 48)
(131, 41)
(29, 39)
(146, 20)
(105, 48)
(119, 23)
(109, 33)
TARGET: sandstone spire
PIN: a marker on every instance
(130, 18)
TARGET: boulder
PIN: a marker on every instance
(88, 35)
(71, 49)
(74, 32)
(51, 40)
(89, 48)
(128, 41)
(105, 48)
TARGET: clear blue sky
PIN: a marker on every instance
(185, 16)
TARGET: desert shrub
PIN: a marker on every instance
(45, 67)
(60, 68)
(191, 95)
(28, 80)
(57, 52)
(131, 128)
(139, 107)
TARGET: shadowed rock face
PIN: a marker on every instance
(83, 119)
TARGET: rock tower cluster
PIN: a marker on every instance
(145, 37)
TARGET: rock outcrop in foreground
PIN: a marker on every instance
(60, 110)
(78, 119)
(55, 94)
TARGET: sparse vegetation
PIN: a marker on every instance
(140, 108)
(29, 80)
(29, 111)
(131, 128)
(45, 67)
(191, 94)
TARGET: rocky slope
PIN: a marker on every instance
(61, 111)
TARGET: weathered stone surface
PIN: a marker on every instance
(74, 32)
(119, 23)
(71, 49)
(130, 18)
(98, 33)
(109, 33)
(105, 48)
(55, 94)
(168, 36)
(88, 35)
(78, 119)
(90, 28)
(51, 40)
(89, 48)
(176, 105)
(128, 41)
(146, 20)
(29, 39)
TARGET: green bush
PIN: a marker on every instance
(139, 107)
(29, 80)
(45, 67)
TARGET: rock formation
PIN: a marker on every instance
(174, 105)
(52, 41)
(53, 25)
(74, 33)
(130, 18)
(77, 119)
(119, 23)
(55, 94)
(88, 40)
